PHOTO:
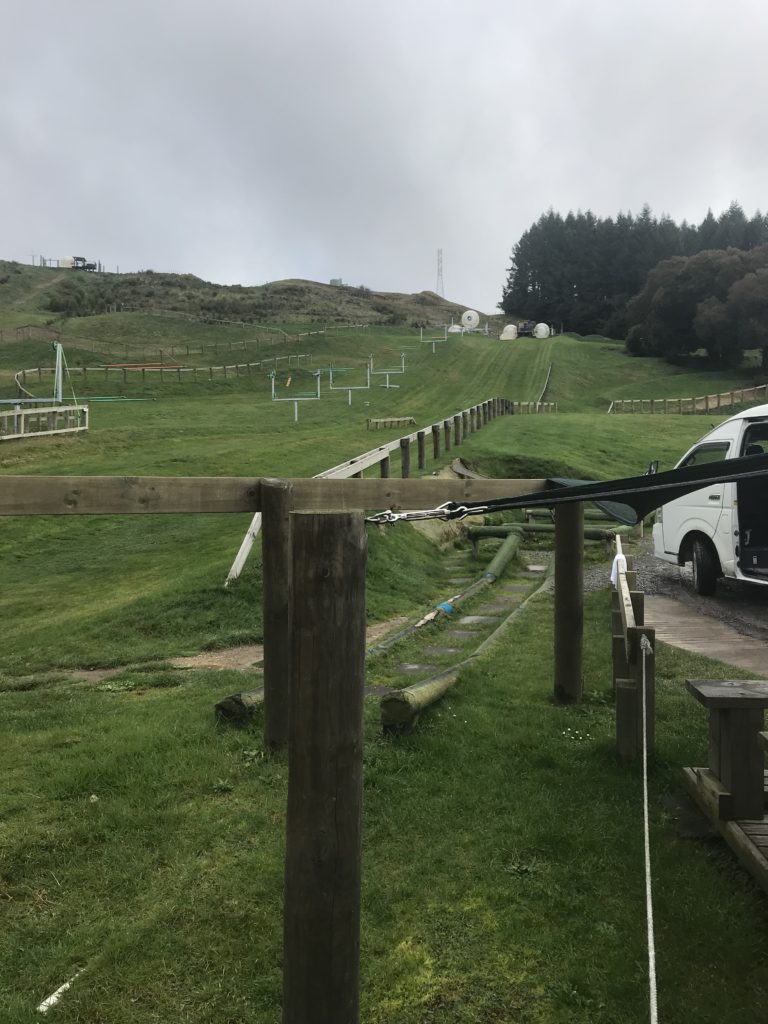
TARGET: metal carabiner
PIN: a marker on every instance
(448, 510)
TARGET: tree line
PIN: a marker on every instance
(649, 280)
(716, 300)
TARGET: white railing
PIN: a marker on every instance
(42, 421)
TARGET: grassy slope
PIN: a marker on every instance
(291, 301)
(129, 587)
(497, 848)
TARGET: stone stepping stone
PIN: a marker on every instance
(462, 634)
(413, 667)
(536, 568)
(477, 620)
(441, 650)
(496, 609)
(460, 579)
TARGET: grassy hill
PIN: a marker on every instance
(143, 843)
(43, 290)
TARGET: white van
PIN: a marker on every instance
(722, 529)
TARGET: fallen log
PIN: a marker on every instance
(400, 709)
(239, 708)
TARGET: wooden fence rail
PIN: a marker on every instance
(164, 372)
(704, 403)
(632, 667)
(381, 457)
(323, 600)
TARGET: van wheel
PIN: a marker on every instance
(706, 568)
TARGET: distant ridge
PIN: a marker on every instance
(289, 301)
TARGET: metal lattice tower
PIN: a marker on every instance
(440, 289)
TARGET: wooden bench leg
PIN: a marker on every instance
(736, 758)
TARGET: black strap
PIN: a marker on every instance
(643, 494)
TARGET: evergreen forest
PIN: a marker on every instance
(668, 289)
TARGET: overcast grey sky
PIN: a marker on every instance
(246, 141)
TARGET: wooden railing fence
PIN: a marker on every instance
(704, 403)
(632, 668)
(314, 687)
(263, 336)
(448, 432)
(164, 372)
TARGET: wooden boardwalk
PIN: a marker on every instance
(747, 838)
(677, 624)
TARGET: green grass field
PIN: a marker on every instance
(142, 843)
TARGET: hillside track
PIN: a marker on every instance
(43, 285)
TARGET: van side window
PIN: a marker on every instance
(755, 439)
(706, 453)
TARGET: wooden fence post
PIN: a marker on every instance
(321, 933)
(629, 698)
(457, 429)
(384, 467)
(420, 447)
(435, 441)
(447, 434)
(405, 458)
(569, 601)
(276, 504)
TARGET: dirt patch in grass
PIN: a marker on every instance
(243, 658)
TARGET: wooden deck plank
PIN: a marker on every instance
(677, 624)
(749, 848)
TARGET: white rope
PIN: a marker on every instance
(645, 646)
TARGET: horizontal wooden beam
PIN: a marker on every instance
(117, 495)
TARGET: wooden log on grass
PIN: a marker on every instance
(239, 708)
(400, 709)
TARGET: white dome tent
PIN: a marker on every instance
(541, 331)
(509, 333)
